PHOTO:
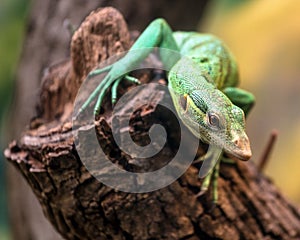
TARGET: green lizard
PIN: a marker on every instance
(202, 85)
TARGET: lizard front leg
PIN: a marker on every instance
(157, 34)
(241, 98)
(209, 171)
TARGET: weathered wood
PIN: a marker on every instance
(80, 207)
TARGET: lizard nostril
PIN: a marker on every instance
(236, 142)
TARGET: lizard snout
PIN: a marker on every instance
(243, 145)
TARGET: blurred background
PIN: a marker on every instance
(265, 38)
(12, 27)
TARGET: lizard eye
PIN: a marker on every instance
(213, 120)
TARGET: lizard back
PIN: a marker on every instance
(211, 54)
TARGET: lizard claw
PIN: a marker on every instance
(202, 192)
(132, 79)
(114, 94)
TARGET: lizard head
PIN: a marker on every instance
(213, 118)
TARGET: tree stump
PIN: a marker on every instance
(80, 207)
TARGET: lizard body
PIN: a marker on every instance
(211, 55)
(202, 84)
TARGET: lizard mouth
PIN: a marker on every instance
(244, 156)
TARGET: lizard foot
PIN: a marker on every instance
(110, 80)
(114, 92)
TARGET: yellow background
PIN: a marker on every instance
(264, 35)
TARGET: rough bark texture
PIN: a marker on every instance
(47, 41)
(80, 207)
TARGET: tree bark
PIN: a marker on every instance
(80, 207)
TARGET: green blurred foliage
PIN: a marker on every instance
(12, 22)
(12, 17)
